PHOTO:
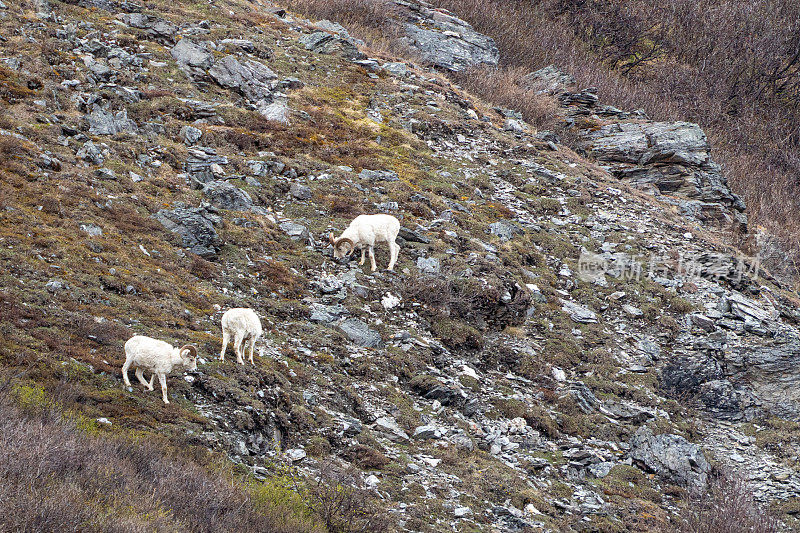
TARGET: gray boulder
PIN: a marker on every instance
(328, 314)
(201, 161)
(195, 225)
(448, 42)
(295, 231)
(389, 427)
(315, 41)
(157, 28)
(504, 230)
(277, 111)
(250, 78)
(191, 55)
(91, 152)
(547, 80)
(326, 43)
(378, 175)
(361, 334)
(299, 191)
(670, 456)
(396, 69)
(413, 236)
(190, 135)
(103, 122)
(578, 313)
(227, 196)
(428, 265)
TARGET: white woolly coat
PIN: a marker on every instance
(155, 355)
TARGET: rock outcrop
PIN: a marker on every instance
(445, 40)
(669, 159)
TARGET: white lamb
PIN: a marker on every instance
(244, 326)
(364, 232)
(158, 357)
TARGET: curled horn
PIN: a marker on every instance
(189, 348)
(343, 240)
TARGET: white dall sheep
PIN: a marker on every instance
(243, 326)
(364, 232)
(158, 357)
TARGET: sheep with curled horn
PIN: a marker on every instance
(158, 357)
(364, 232)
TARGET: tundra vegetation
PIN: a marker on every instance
(147, 187)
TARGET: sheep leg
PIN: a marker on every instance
(252, 346)
(372, 259)
(363, 251)
(162, 378)
(125, 368)
(237, 347)
(394, 251)
(140, 377)
(225, 340)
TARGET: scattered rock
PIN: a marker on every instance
(378, 175)
(104, 122)
(578, 313)
(388, 426)
(191, 135)
(428, 265)
(361, 334)
(295, 231)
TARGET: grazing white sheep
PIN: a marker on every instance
(158, 357)
(244, 326)
(364, 232)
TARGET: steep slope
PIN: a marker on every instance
(556, 349)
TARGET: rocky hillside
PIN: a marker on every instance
(568, 342)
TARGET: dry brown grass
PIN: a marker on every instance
(500, 86)
(368, 19)
(56, 477)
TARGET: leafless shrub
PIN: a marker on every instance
(726, 507)
(337, 498)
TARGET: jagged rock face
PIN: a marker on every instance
(445, 40)
(665, 158)
(672, 157)
(772, 372)
(103, 122)
(743, 363)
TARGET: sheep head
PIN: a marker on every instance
(342, 247)
(188, 355)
